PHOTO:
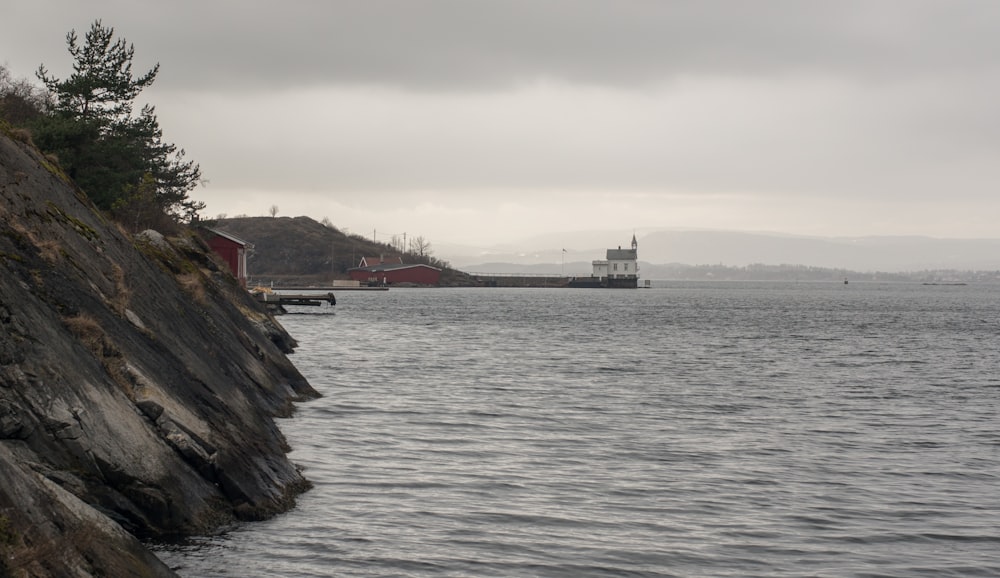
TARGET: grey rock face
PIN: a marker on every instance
(137, 386)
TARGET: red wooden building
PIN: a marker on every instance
(233, 250)
(395, 273)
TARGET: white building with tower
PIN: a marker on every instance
(620, 270)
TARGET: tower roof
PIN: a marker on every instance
(621, 254)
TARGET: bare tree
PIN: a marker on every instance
(420, 246)
(273, 211)
(20, 101)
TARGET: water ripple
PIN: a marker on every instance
(703, 430)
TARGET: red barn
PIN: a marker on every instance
(391, 274)
(233, 250)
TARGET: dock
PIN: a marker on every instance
(276, 301)
(518, 280)
(334, 288)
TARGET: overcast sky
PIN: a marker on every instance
(482, 121)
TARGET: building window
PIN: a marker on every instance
(626, 266)
(616, 266)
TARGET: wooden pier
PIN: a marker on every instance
(276, 301)
(334, 288)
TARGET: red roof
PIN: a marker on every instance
(374, 261)
(228, 236)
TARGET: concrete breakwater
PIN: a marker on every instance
(517, 280)
(138, 386)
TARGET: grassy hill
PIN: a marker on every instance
(301, 250)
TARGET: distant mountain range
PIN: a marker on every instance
(302, 250)
(571, 253)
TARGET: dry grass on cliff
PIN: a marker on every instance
(122, 292)
(50, 250)
(194, 285)
(86, 329)
(21, 135)
(93, 336)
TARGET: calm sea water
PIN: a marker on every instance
(690, 430)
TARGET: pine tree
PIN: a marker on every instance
(101, 87)
(109, 151)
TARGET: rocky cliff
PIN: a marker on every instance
(138, 386)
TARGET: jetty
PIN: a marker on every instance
(275, 302)
(334, 288)
(518, 280)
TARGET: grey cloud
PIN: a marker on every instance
(461, 44)
(766, 107)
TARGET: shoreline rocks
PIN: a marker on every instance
(138, 387)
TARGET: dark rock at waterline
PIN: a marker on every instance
(138, 386)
